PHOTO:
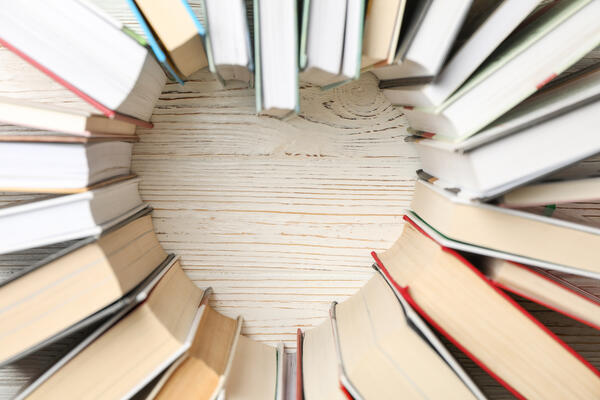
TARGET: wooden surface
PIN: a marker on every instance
(278, 217)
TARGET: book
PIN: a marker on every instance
(174, 33)
(334, 42)
(560, 37)
(496, 20)
(538, 240)
(61, 119)
(543, 288)
(554, 192)
(353, 42)
(481, 168)
(383, 21)
(60, 218)
(61, 166)
(228, 46)
(48, 300)
(122, 358)
(414, 14)
(276, 57)
(483, 322)
(257, 372)
(319, 374)
(559, 97)
(375, 346)
(431, 43)
(202, 371)
(381, 356)
(117, 23)
(325, 41)
(120, 78)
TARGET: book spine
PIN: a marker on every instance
(299, 374)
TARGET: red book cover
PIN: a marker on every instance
(299, 383)
(104, 110)
(405, 292)
(550, 306)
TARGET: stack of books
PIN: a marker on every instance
(480, 86)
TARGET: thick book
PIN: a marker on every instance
(560, 36)
(62, 119)
(553, 192)
(125, 355)
(523, 145)
(61, 218)
(202, 371)
(539, 286)
(431, 43)
(258, 372)
(175, 35)
(382, 26)
(120, 77)
(334, 42)
(484, 322)
(73, 287)
(276, 57)
(374, 346)
(228, 43)
(501, 232)
(64, 165)
(495, 21)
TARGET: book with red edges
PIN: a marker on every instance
(483, 321)
(100, 63)
(375, 346)
(299, 386)
(544, 288)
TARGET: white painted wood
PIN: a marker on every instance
(278, 217)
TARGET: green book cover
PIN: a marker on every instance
(138, 38)
(257, 59)
(304, 16)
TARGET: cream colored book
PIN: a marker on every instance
(559, 192)
(319, 369)
(61, 119)
(490, 327)
(376, 347)
(202, 372)
(133, 351)
(46, 301)
(383, 20)
(381, 356)
(256, 372)
(541, 287)
(177, 29)
(515, 235)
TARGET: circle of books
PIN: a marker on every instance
(500, 109)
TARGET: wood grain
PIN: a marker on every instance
(278, 217)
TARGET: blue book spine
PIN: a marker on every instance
(153, 42)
